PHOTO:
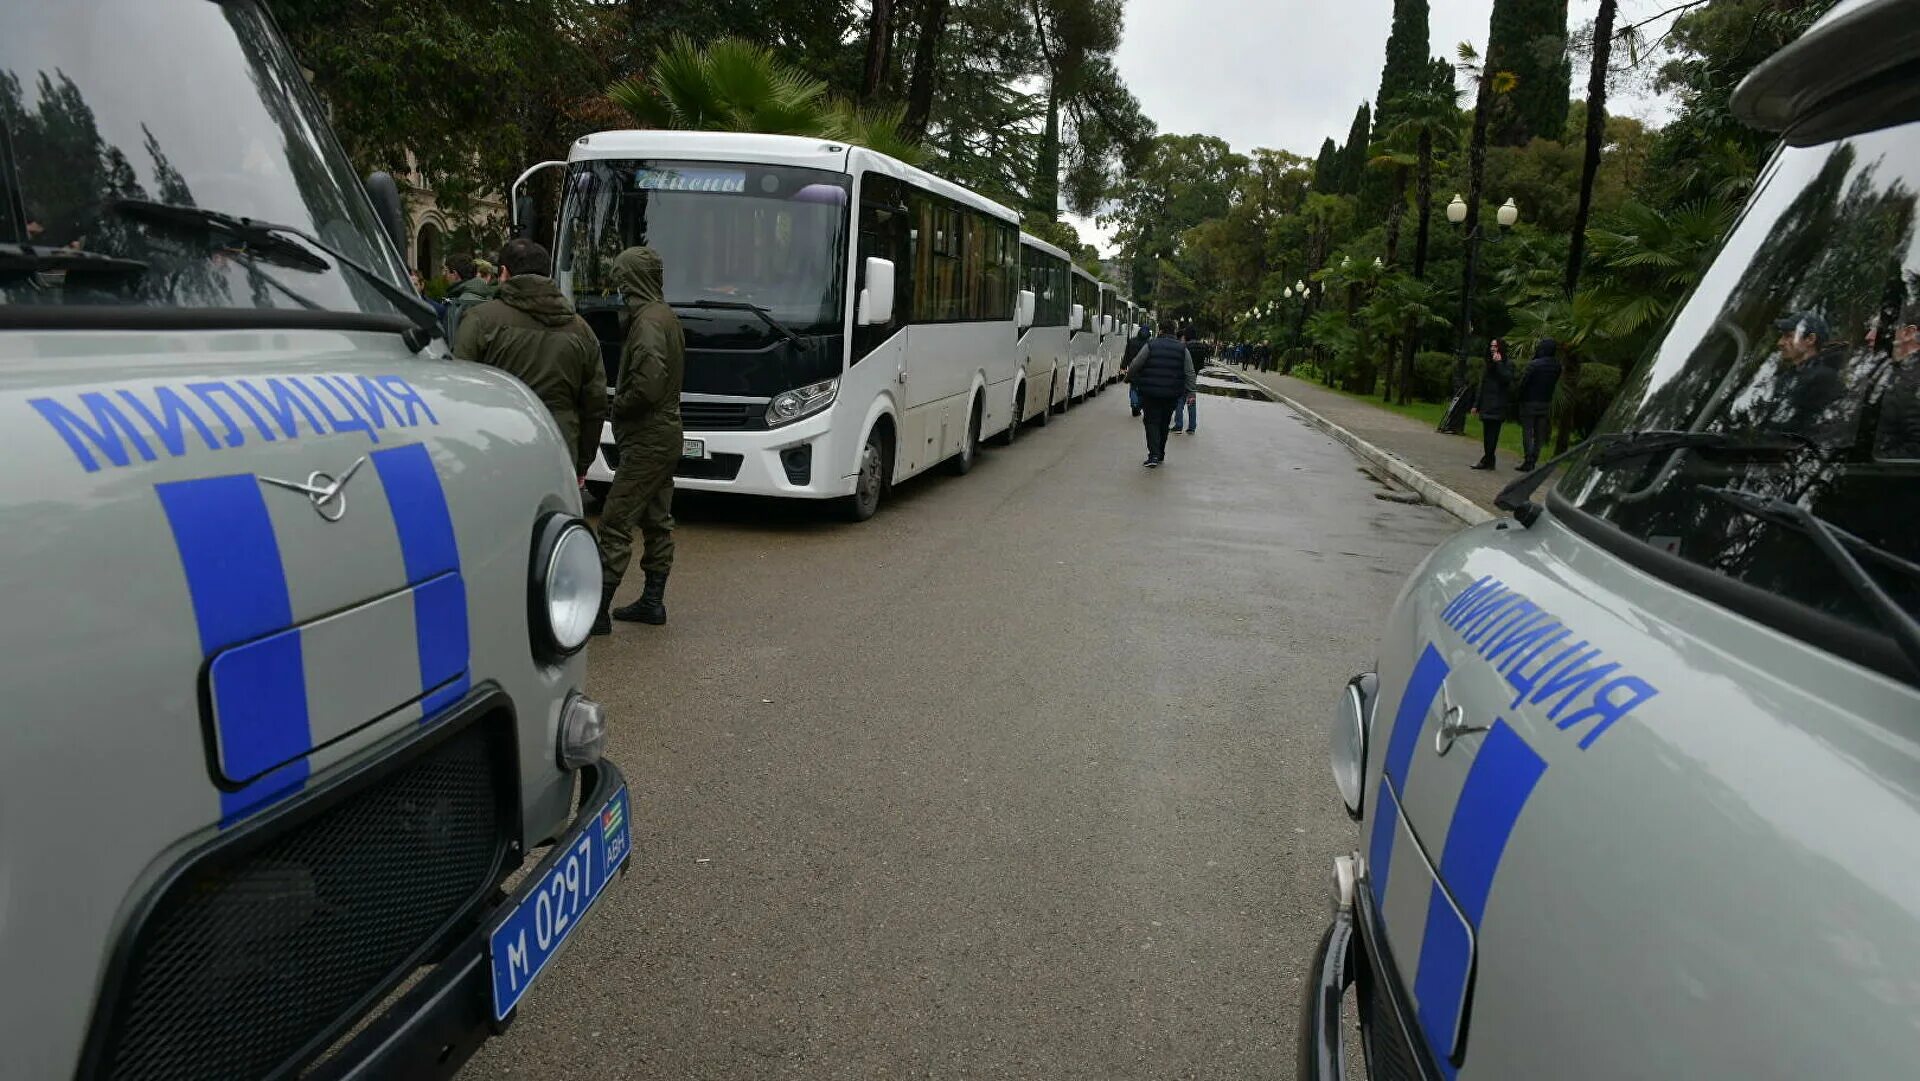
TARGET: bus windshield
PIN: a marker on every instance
(767, 235)
(1792, 374)
(95, 128)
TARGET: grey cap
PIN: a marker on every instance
(1804, 323)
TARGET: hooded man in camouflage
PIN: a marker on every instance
(646, 425)
(530, 332)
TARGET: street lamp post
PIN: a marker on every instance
(1455, 421)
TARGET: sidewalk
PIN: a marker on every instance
(1443, 460)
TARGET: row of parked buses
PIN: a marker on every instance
(850, 320)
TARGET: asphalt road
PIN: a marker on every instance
(1024, 778)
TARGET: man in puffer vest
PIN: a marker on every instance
(1162, 373)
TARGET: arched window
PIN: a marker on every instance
(426, 251)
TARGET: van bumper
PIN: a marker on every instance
(432, 1029)
(1352, 956)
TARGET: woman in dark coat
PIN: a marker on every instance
(1496, 382)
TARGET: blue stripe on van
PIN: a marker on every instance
(238, 587)
(432, 559)
(1416, 701)
(1499, 782)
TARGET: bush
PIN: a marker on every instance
(1432, 376)
(1582, 400)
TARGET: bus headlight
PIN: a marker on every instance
(794, 404)
(1347, 738)
(564, 592)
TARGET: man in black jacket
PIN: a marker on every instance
(1535, 398)
(1162, 373)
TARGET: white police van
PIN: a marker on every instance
(293, 601)
(1638, 769)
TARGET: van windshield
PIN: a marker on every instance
(727, 233)
(1805, 333)
(111, 104)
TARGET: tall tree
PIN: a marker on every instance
(879, 45)
(1185, 180)
(1353, 154)
(1405, 71)
(926, 66)
(1595, 136)
(1092, 120)
(1528, 40)
(1326, 168)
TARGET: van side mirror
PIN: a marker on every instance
(876, 298)
(1077, 319)
(385, 196)
(1024, 317)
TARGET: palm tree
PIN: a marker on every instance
(735, 85)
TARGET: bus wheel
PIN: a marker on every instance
(962, 463)
(1019, 411)
(872, 480)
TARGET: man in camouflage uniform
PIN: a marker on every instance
(646, 425)
(530, 332)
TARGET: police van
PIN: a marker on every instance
(1637, 771)
(293, 602)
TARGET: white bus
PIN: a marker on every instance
(850, 320)
(1083, 335)
(1046, 272)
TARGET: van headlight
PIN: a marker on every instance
(563, 594)
(794, 404)
(1347, 738)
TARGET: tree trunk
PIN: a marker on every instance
(1396, 209)
(1596, 136)
(1046, 163)
(926, 58)
(879, 39)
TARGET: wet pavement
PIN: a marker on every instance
(1024, 778)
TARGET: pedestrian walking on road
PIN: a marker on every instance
(1496, 386)
(1162, 373)
(530, 332)
(1535, 399)
(466, 289)
(646, 426)
(1189, 402)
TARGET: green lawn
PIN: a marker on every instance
(1428, 413)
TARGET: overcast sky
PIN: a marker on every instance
(1289, 73)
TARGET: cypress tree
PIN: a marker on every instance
(1529, 39)
(1353, 156)
(1327, 168)
(1406, 68)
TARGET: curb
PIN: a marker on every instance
(1395, 466)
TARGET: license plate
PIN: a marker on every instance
(530, 936)
(693, 448)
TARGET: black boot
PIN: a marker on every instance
(602, 622)
(1484, 463)
(652, 605)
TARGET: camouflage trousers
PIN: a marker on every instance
(641, 499)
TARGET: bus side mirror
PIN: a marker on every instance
(523, 214)
(1024, 318)
(1077, 319)
(1106, 324)
(876, 299)
(385, 196)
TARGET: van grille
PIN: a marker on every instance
(1390, 1055)
(252, 961)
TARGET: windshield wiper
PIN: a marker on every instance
(282, 241)
(29, 259)
(739, 306)
(1615, 447)
(1838, 546)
